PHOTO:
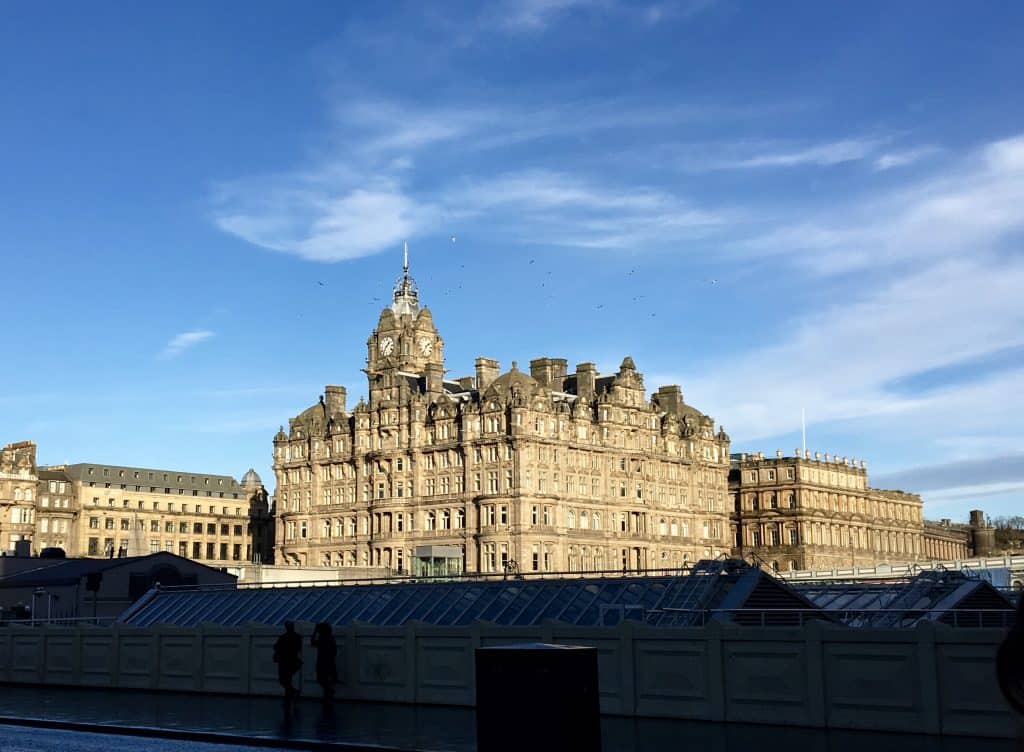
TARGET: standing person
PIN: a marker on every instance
(326, 659)
(288, 657)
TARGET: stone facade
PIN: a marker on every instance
(110, 510)
(18, 480)
(546, 471)
(804, 512)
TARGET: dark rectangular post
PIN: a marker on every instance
(537, 696)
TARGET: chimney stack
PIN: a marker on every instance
(586, 379)
(550, 372)
(435, 379)
(486, 372)
(334, 399)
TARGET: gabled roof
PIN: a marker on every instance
(733, 591)
(934, 595)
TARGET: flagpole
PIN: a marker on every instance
(803, 428)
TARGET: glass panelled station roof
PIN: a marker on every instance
(660, 600)
(722, 590)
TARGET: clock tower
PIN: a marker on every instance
(405, 342)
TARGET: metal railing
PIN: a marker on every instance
(395, 579)
(62, 621)
(859, 618)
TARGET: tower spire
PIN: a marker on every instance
(406, 293)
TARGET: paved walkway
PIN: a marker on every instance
(382, 725)
(249, 722)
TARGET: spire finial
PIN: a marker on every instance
(406, 293)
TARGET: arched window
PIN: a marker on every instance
(662, 528)
(460, 519)
(584, 520)
(774, 502)
(446, 519)
(570, 519)
(430, 521)
(755, 503)
(596, 522)
(28, 494)
(17, 497)
(792, 565)
(792, 500)
(674, 528)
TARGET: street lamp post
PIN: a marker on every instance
(35, 593)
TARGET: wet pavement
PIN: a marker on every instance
(247, 723)
(20, 739)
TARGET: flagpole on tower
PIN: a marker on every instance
(803, 428)
(405, 259)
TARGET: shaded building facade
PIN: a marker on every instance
(111, 511)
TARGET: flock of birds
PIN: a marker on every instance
(378, 300)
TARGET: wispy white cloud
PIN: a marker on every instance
(181, 342)
(822, 155)
(839, 363)
(951, 479)
(904, 158)
(532, 16)
(558, 209)
(537, 15)
(321, 221)
(969, 207)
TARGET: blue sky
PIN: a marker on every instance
(776, 205)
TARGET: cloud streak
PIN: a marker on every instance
(179, 343)
(819, 155)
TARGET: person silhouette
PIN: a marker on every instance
(288, 657)
(326, 659)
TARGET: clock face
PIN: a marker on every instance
(426, 345)
(387, 346)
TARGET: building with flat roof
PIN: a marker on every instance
(114, 511)
(819, 512)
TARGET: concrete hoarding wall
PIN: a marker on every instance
(931, 679)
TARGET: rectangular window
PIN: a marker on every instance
(223, 551)
(210, 550)
(94, 522)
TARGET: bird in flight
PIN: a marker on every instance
(453, 238)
